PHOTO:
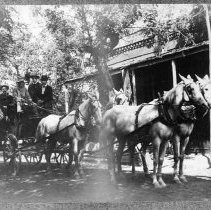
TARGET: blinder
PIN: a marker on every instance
(188, 109)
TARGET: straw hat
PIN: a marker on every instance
(4, 85)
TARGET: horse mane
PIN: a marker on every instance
(171, 95)
(84, 105)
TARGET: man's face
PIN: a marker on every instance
(4, 90)
(34, 79)
(21, 84)
(44, 83)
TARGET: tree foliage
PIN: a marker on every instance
(6, 38)
(78, 36)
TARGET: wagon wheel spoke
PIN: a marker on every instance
(33, 158)
(11, 155)
(62, 159)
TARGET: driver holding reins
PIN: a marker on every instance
(22, 96)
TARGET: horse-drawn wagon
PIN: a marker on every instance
(28, 142)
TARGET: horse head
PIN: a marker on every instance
(95, 107)
(193, 92)
(120, 98)
(205, 86)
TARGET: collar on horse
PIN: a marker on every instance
(185, 112)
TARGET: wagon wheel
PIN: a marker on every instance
(11, 154)
(33, 158)
(62, 159)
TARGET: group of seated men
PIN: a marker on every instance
(38, 96)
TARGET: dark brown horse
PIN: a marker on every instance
(122, 120)
(71, 129)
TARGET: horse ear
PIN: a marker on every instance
(165, 92)
(200, 80)
(186, 81)
(115, 91)
(206, 77)
(189, 77)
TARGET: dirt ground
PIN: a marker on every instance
(35, 185)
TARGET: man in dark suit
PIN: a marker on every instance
(46, 96)
(7, 103)
(35, 88)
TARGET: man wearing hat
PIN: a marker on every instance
(6, 101)
(35, 88)
(46, 97)
(20, 93)
(23, 98)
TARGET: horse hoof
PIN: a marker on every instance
(156, 185)
(14, 174)
(148, 175)
(183, 179)
(77, 176)
(113, 181)
(162, 184)
(177, 181)
(121, 175)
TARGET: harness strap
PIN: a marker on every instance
(163, 113)
(60, 119)
(187, 115)
(136, 114)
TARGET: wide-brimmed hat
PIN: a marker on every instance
(4, 85)
(20, 79)
(44, 78)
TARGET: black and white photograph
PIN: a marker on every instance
(106, 105)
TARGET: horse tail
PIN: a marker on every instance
(40, 131)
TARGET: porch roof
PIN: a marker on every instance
(144, 56)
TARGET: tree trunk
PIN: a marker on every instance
(104, 80)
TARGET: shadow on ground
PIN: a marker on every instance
(34, 184)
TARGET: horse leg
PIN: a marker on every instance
(70, 162)
(111, 159)
(76, 156)
(143, 157)
(132, 152)
(182, 155)
(156, 146)
(48, 156)
(176, 147)
(122, 142)
(51, 144)
(162, 153)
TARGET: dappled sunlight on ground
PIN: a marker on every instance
(35, 184)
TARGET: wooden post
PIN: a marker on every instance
(66, 99)
(209, 38)
(174, 73)
(134, 87)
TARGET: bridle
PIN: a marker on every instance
(187, 91)
(91, 110)
(202, 87)
(115, 98)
